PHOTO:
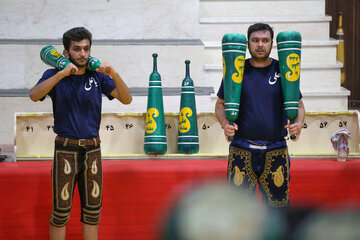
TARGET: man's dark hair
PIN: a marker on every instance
(260, 27)
(76, 34)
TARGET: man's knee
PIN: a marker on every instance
(59, 219)
(89, 216)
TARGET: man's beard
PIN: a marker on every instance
(73, 60)
(255, 56)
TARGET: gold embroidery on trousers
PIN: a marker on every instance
(67, 167)
(65, 192)
(278, 176)
(94, 168)
(246, 175)
(66, 214)
(90, 219)
(59, 221)
(278, 181)
(238, 176)
(93, 179)
(63, 175)
(96, 190)
(94, 212)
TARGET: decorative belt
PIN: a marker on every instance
(258, 145)
(254, 146)
(79, 142)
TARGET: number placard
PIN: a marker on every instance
(317, 131)
(123, 134)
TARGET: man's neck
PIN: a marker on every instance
(81, 70)
(260, 63)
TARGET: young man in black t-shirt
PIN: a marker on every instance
(258, 153)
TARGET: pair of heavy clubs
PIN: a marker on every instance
(155, 141)
(289, 53)
(51, 56)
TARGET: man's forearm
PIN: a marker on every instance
(122, 90)
(220, 113)
(40, 90)
(301, 113)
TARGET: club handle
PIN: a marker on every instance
(231, 138)
(292, 137)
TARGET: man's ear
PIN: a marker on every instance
(66, 53)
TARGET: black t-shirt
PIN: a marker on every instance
(77, 103)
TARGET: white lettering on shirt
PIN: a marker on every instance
(88, 85)
(276, 76)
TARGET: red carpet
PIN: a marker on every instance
(136, 193)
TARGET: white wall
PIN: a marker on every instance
(114, 19)
(167, 27)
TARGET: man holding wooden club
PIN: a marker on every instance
(258, 153)
(76, 93)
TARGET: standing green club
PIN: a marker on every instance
(155, 134)
(188, 137)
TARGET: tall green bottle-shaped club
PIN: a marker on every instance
(155, 134)
(188, 137)
(233, 52)
(289, 51)
(51, 56)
